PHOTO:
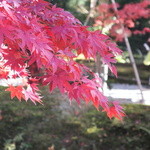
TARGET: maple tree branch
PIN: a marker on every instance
(51, 37)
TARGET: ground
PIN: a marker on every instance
(25, 126)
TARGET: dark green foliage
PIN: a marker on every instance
(24, 126)
(123, 2)
(126, 73)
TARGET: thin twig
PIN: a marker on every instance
(130, 53)
(92, 7)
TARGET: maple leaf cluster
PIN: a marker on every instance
(125, 16)
(39, 43)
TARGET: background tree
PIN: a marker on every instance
(136, 22)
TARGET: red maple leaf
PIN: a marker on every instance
(115, 111)
(31, 94)
(15, 91)
(3, 74)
